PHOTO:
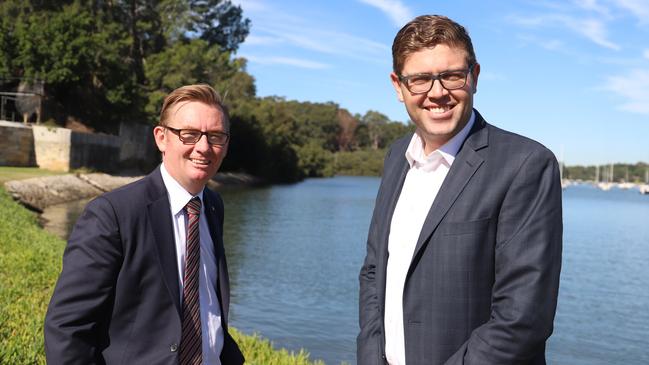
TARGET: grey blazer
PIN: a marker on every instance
(117, 300)
(483, 281)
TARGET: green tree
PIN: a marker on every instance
(314, 161)
(374, 122)
(218, 22)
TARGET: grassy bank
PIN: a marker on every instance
(18, 173)
(30, 260)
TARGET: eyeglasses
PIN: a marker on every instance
(192, 136)
(422, 83)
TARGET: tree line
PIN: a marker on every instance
(109, 61)
(621, 172)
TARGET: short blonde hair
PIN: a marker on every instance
(199, 92)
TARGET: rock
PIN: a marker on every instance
(39, 192)
(223, 179)
(105, 182)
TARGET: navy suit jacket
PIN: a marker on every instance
(117, 300)
(483, 281)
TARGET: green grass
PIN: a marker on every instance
(260, 351)
(30, 261)
(8, 173)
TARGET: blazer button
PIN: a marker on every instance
(173, 347)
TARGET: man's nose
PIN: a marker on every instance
(202, 144)
(437, 90)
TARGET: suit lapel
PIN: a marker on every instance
(467, 162)
(159, 217)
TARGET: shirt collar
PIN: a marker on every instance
(178, 196)
(446, 153)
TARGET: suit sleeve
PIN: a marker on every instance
(369, 340)
(78, 313)
(527, 267)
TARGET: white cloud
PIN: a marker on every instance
(552, 44)
(324, 41)
(393, 9)
(549, 44)
(277, 26)
(593, 5)
(262, 40)
(632, 87)
(288, 61)
(593, 29)
(639, 8)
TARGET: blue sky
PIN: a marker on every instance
(572, 74)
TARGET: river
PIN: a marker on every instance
(294, 253)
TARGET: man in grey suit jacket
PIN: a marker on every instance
(464, 248)
(121, 297)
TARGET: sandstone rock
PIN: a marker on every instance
(40, 192)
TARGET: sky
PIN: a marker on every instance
(571, 74)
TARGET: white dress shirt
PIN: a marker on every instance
(211, 330)
(422, 183)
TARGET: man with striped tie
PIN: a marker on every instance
(144, 277)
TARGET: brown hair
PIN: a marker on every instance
(200, 92)
(427, 31)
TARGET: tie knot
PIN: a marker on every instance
(194, 206)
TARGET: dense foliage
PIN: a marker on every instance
(30, 261)
(106, 62)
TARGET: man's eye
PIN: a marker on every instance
(189, 134)
(420, 80)
(452, 76)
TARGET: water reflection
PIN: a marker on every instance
(295, 252)
(59, 219)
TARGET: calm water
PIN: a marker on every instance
(295, 252)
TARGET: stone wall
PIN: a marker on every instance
(137, 149)
(52, 146)
(97, 151)
(61, 149)
(16, 145)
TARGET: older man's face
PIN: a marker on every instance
(192, 165)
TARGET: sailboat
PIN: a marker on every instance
(608, 184)
(626, 184)
(564, 182)
(644, 189)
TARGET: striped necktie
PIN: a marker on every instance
(191, 349)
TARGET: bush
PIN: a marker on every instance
(359, 163)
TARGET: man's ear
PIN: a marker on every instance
(474, 77)
(160, 138)
(397, 86)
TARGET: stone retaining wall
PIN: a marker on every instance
(61, 149)
(16, 145)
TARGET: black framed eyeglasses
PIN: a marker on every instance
(192, 136)
(422, 83)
